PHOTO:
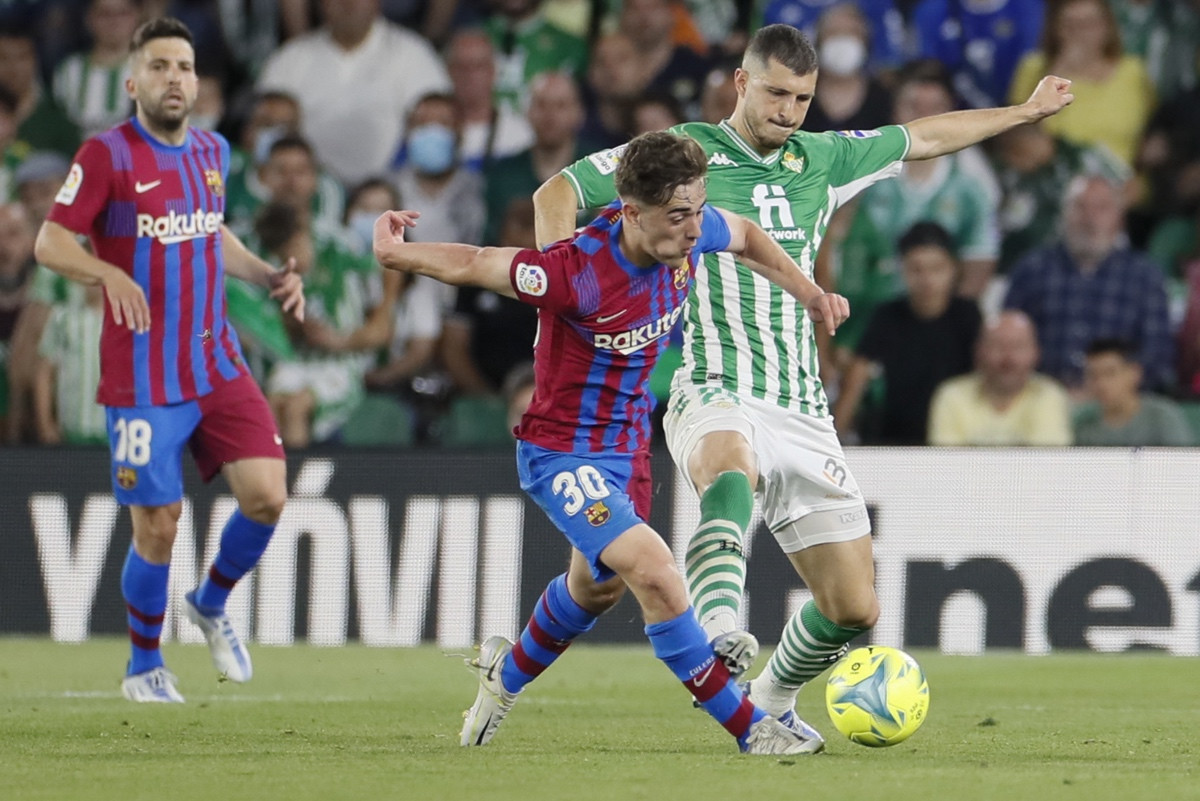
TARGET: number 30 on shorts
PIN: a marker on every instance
(133, 441)
(585, 482)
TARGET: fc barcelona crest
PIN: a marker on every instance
(682, 274)
(212, 178)
(126, 478)
(597, 514)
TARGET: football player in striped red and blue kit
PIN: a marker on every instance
(149, 194)
(607, 299)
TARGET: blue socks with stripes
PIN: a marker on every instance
(144, 587)
(243, 542)
(555, 622)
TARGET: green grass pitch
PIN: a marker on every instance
(605, 723)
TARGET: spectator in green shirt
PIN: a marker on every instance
(527, 45)
(556, 115)
(68, 373)
(1120, 414)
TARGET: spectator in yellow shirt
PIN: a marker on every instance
(1003, 402)
(1114, 95)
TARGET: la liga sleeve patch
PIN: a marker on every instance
(70, 188)
(531, 279)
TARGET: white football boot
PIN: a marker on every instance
(156, 686)
(769, 736)
(229, 656)
(492, 702)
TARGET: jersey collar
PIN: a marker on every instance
(745, 147)
(157, 144)
(614, 242)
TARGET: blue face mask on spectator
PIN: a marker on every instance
(431, 149)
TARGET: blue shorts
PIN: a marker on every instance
(146, 442)
(593, 498)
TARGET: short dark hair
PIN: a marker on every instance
(1121, 347)
(374, 182)
(655, 164)
(652, 98)
(926, 234)
(787, 45)
(926, 71)
(293, 142)
(275, 224)
(161, 28)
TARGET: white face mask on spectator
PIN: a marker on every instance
(263, 141)
(362, 223)
(842, 55)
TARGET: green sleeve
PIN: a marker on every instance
(592, 178)
(858, 159)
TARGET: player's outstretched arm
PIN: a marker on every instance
(57, 248)
(763, 255)
(450, 263)
(946, 133)
(554, 210)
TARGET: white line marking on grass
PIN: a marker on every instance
(107, 695)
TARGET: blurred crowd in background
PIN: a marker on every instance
(1042, 289)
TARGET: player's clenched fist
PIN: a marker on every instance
(1051, 96)
(829, 309)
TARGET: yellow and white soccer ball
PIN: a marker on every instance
(877, 696)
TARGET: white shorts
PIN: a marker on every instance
(807, 493)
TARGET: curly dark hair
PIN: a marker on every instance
(655, 164)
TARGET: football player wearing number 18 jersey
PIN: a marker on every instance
(149, 194)
(607, 298)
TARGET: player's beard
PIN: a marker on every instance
(771, 136)
(169, 120)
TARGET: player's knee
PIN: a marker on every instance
(659, 584)
(855, 613)
(154, 531)
(598, 598)
(265, 505)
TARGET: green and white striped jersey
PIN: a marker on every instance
(93, 96)
(71, 341)
(742, 332)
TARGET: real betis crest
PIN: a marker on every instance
(793, 162)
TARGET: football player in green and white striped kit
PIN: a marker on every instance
(747, 410)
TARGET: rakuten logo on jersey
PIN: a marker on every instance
(632, 341)
(174, 227)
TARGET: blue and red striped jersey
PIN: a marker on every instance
(156, 211)
(602, 323)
